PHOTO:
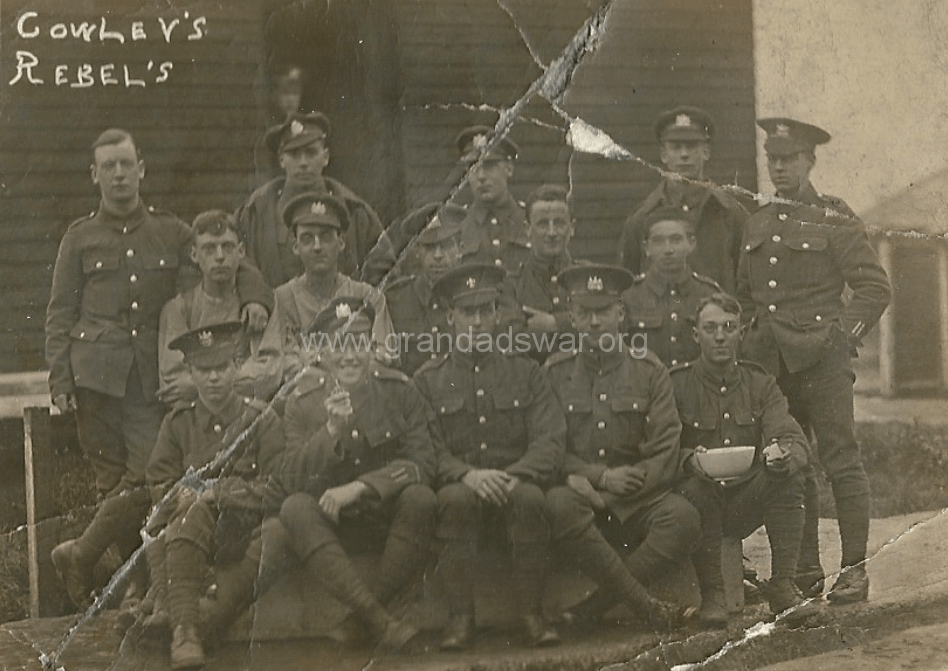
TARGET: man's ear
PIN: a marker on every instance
(193, 253)
(94, 174)
(449, 315)
(241, 250)
(509, 168)
(141, 169)
(694, 332)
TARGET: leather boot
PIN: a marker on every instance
(529, 561)
(186, 649)
(75, 572)
(707, 563)
(186, 565)
(456, 564)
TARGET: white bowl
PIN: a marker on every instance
(722, 463)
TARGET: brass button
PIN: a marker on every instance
(218, 428)
(674, 339)
(805, 245)
(495, 242)
(133, 278)
(556, 300)
(601, 425)
(482, 419)
(602, 453)
(723, 390)
(772, 308)
(130, 253)
(773, 260)
(727, 415)
(602, 397)
(727, 441)
(479, 392)
(355, 433)
(776, 238)
(134, 305)
(772, 284)
(483, 446)
(98, 264)
(782, 216)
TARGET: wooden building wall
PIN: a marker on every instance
(196, 130)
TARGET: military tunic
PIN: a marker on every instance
(415, 311)
(535, 286)
(620, 411)
(665, 313)
(113, 275)
(719, 228)
(495, 234)
(270, 243)
(493, 411)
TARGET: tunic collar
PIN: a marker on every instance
(713, 379)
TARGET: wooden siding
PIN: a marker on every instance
(196, 133)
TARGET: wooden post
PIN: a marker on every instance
(42, 525)
(732, 568)
(887, 329)
(943, 309)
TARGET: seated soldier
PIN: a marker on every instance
(359, 456)
(236, 445)
(217, 251)
(499, 433)
(318, 223)
(550, 227)
(661, 302)
(723, 402)
(417, 315)
(302, 143)
(622, 457)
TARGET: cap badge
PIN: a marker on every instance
(479, 141)
(343, 311)
(318, 208)
(594, 283)
(783, 130)
(206, 338)
(471, 283)
(296, 127)
(683, 120)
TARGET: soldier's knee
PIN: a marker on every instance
(527, 496)
(679, 514)
(457, 495)
(299, 510)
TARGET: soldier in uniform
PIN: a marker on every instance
(798, 258)
(114, 272)
(238, 443)
(550, 227)
(494, 229)
(622, 456)
(217, 251)
(302, 144)
(318, 224)
(417, 315)
(684, 135)
(500, 433)
(725, 402)
(356, 474)
(660, 303)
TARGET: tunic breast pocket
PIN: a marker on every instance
(161, 271)
(699, 430)
(630, 411)
(509, 417)
(809, 255)
(645, 319)
(384, 438)
(746, 430)
(455, 424)
(103, 293)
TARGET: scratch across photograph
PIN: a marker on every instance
(484, 334)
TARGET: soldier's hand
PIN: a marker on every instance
(694, 465)
(489, 484)
(339, 407)
(539, 321)
(65, 402)
(623, 480)
(179, 390)
(254, 315)
(776, 459)
(334, 500)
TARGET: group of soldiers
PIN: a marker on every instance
(236, 392)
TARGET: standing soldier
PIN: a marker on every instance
(494, 229)
(499, 431)
(359, 460)
(550, 228)
(684, 135)
(318, 224)
(302, 144)
(798, 258)
(622, 456)
(236, 441)
(418, 316)
(114, 272)
(724, 402)
(661, 302)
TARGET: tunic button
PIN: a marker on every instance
(772, 308)
(483, 446)
(161, 262)
(357, 462)
(672, 292)
(443, 410)
(641, 325)
(498, 262)
(723, 390)
(130, 253)
(482, 419)
(685, 208)
(569, 407)
(388, 434)
(727, 441)
(727, 415)
(134, 305)
(635, 406)
(479, 392)
(776, 238)
(773, 260)
(805, 245)
(602, 453)
(477, 369)
(674, 362)
(82, 334)
(218, 428)
(674, 339)
(134, 333)
(493, 220)
(601, 425)
(516, 402)
(747, 248)
(355, 433)
(375, 373)
(772, 284)
(602, 397)
(819, 318)
(495, 242)
(133, 278)
(782, 216)
(434, 306)
(553, 279)
(556, 300)
(434, 329)
(696, 425)
(674, 316)
(98, 264)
